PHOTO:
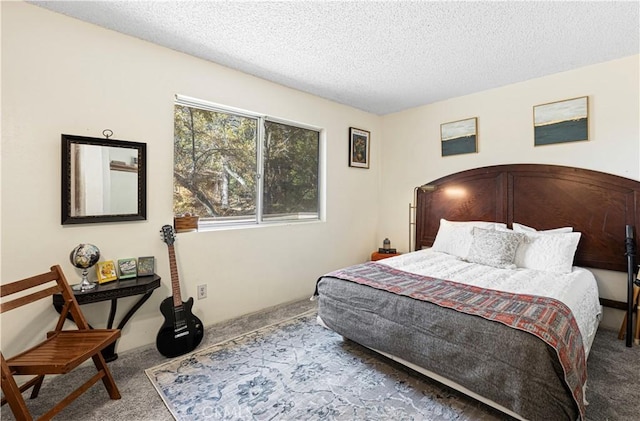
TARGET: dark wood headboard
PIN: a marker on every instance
(597, 204)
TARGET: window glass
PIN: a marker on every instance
(214, 164)
(291, 157)
(224, 177)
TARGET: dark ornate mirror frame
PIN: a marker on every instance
(67, 218)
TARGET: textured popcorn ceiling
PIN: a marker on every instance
(384, 56)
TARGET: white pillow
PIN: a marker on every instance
(550, 252)
(495, 248)
(523, 228)
(455, 237)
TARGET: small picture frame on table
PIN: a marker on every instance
(128, 268)
(359, 142)
(106, 271)
(146, 266)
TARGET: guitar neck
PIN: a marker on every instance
(175, 281)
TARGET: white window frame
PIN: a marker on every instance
(208, 224)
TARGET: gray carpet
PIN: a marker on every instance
(613, 391)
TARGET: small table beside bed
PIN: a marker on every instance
(496, 300)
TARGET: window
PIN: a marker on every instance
(235, 167)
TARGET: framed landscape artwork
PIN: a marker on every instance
(359, 141)
(459, 137)
(561, 121)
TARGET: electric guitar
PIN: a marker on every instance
(181, 331)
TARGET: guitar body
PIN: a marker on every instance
(181, 331)
(172, 343)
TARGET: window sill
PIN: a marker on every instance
(204, 227)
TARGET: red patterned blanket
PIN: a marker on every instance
(546, 318)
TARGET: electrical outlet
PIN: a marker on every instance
(202, 292)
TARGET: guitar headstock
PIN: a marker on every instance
(167, 234)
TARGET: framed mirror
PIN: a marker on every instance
(103, 180)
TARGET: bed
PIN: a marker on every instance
(495, 300)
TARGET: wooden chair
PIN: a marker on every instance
(60, 352)
(636, 308)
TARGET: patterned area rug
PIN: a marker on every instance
(298, 370)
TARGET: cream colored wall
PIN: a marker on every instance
(412, 156)
(60, 75)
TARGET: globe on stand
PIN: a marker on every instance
(83, 256)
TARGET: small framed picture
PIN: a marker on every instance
(128, 268)
(106, 271)
(459, 137)
(561, 121)
(359, 142)
(146, 265)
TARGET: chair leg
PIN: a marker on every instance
(36, 387)
(13, 395)
(109, 382)
(623, 327)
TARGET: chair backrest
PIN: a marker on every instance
(39, 287)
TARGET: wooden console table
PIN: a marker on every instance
(143, 285)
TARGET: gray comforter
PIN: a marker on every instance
(508, 366)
